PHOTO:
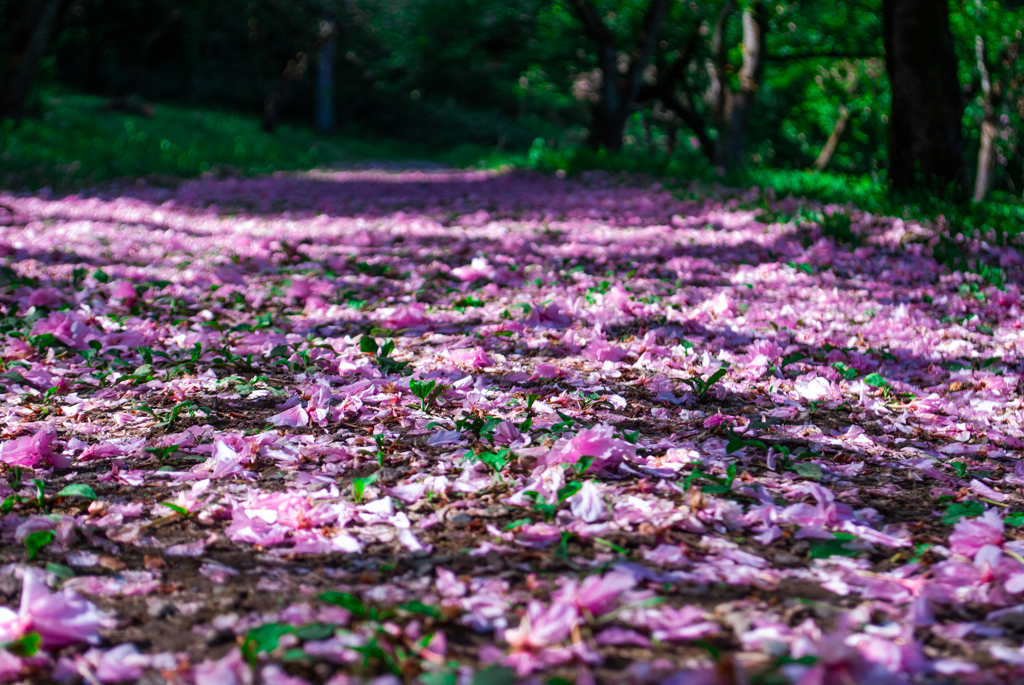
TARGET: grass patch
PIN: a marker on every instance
(78, 141)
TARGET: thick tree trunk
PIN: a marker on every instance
(740, 104)
(731, 110)
(925, 141)
(618, 94)
(30, 38)
(717, 95)
(833, 139)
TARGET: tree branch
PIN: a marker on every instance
(646, 42)
(593, 25)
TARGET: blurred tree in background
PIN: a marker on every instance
(791, 84)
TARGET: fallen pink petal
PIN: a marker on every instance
(375, 426)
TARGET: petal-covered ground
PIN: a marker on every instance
(460, 427)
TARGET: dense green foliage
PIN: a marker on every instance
(495, 75)
(78, 141)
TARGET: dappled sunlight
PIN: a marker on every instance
(408, 421)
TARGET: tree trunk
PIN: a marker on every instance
(30, 38)
(717, 95)
(925, 141)
(987, 150)
(325, 88)
(740, 105)
(986, 160)
(618, 93)
(833, 139)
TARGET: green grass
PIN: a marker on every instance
(78, 141)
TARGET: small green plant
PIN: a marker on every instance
(40, 491)
(496, 460)
(847, 372)
(427, 391)
(481, 427)
(37, 540)
(719, 486)
(566, 423)
(77, 490)
(265, 638)
(382, 356)
(702, 386)
(737, 442)
(822, 549)
(161, 453)
(876, 380)
(958, 510)
(359, 486)
(351, 603)
(540, 506)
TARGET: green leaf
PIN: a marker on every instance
(315, 631)
(27, 645)
(808, 470)
(876, 381)
(368, 345)
(582, 465)
(967, 509)
(37, 540)
(792, 359)
(716, 376)
(516, 524)
(8, 504)
(101, 276)
(77, 490)
(60, 570)
(264, 639)
(422, 389)
(418, 607)
(495, 675)
(847, 372)
(1015, 519)
(545, 509)
(611, 545)
(15, 377)
(182, 511)
(439, 678)
(569, 490)
(40, 489)
(359, 486)
(347, 601)
(496, 460)
(822, 549)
